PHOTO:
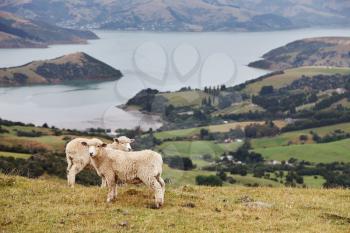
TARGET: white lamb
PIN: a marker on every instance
(78, 157)
(129, 167)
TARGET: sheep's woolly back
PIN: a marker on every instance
(129, 165)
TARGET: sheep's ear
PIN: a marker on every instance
(116, 140)
(84, 143)
(104, 145)
(132, 140)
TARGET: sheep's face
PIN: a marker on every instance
(94, 146)
(122, 143)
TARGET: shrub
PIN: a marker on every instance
(222, 175)
(32, 133)
(209, 180)
(2, 130)
(207, 157)
(303, 138)
(181, 163)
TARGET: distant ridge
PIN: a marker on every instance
(16, 32)
(68, 68)
(184, 15)
(321, 51)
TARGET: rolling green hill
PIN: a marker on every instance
(294, 137)
(221, 128)
(338, 151)
(279, 80)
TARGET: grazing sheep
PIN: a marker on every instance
(78, 157)
(130, 167)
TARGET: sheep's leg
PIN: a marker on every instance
(153, 183)
(112, 188)
(103, 182)
(73, 171)
(69, 162)
(162, 183)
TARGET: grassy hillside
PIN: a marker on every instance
(321, 51)
(69, 68)
(222, 128)
(185, 98)
(320, 153)
(196, 149)
(294, 137)
(290, 75)
(48, 205)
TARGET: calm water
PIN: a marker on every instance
(165, 61)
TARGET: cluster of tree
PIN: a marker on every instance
(180, 163)
(211, 180)
(280, 101)
(327, 102)
(244, 154)
(32, 133)
(319, 83)
(294, 178)
(317, 119)
(40, 164)
(269, 129)
(229, 98)
(252, 116)
(144, 98)
(13, 123)
(208, 101)
(215, 91)
(332, 137)
(19, 148)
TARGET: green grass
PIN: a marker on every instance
(222, 128)
(283, 139)
(185, 98)
(291, 75)
(311, 182)
(14, 155)
(195, 149)
(48, 205)
(249, 179)
(179, 177)
(240, 108)
(319, 153)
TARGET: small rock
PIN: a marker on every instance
(124, 224)
(189, 205)
(218, 210)
(245, 199)
(258, 204)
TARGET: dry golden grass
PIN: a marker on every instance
(48, 205)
